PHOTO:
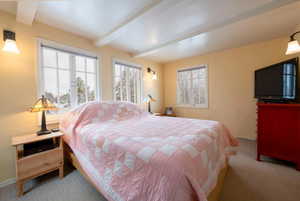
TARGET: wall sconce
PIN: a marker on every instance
(293, 45)
(154, 75)
(10, 45)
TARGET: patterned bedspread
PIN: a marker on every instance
(133, 156)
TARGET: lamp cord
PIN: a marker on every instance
(293, 35)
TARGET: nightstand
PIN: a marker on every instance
(166, 115)
(37, 155)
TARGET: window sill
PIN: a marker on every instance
(193, 106)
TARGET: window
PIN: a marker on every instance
(192, 89)
(67, 78)
(127, 82)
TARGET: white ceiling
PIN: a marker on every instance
(164, 30)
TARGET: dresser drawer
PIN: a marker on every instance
(39, 163)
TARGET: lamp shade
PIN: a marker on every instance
(42, 104)
(293, 47)
(149, 99)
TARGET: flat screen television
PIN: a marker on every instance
(278, 82)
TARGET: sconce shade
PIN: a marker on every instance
(42, 104)
(293, 47)
(149, 99)
(10, 45)
(154, 75)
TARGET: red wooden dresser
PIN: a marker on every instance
(278, 129)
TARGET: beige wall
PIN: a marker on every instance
(231, 84)
(18, 86)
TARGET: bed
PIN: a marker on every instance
(129, 154)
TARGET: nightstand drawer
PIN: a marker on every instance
(39, 163)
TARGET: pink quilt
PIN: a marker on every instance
(131, 155)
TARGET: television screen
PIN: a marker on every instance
(277, 82)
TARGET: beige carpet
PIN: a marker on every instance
(247, 180)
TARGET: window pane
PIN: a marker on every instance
(63, 60)
(80, 63)
(90, 65)
(202, 73)
(117, 88)
(196, 83)
(49, 57)
(186, 75)
(181, 88)
(132, 85)
(64, 89)
(50, 84)
(180, 99)
(68, 79)
(81, 87)
(91, 87)
(117, 70)
(192, 87)
(127, 83)
(196, 96)
(196, 74)
(202, 95)
(123, 83)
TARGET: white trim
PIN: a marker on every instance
(197, 106)
(115, 60)
(66, 47)
(200, 106)
(192, 67)
(39, 76)
(247, 138)
(142, 85)
(98, 77)
(7, 182)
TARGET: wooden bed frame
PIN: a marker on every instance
(213, 196)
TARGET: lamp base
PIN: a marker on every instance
(43, 132)
(44, 129)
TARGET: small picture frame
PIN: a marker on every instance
(169, 111)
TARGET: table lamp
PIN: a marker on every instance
(148, 100)
(42, 105)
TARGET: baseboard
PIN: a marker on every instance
(7, 182)
(246, 138)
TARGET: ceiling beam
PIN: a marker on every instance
(116, 32)
(26, 11)
(257, 11)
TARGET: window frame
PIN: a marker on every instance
(54, 118)
(140, 67)
(206, 95)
